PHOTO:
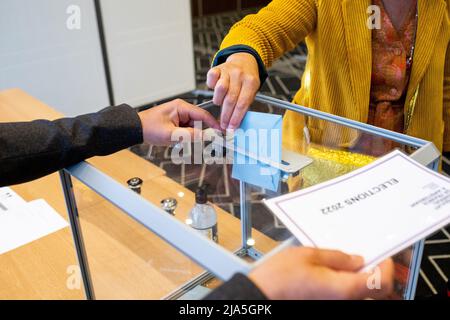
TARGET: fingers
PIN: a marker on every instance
(212, 77)
(221, 88)
(337, 260)
(351, 284)
(387, 268)
(248, 92)
(174, 135)
(377, 284)
(188, 114)
(231, 99)
(234, 91)
(195, 133)
(383, 288)
(235, 83)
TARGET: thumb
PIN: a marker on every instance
(377, 284)
(338, 260)
(195, 134)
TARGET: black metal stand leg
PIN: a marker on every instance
(72, 211)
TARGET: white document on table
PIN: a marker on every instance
(9, 199)
(375, 211)
(22, 222)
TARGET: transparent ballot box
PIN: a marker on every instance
(129, 212)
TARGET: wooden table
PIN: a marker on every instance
(126, 260)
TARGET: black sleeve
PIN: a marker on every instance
(30, 150)
(237, 288)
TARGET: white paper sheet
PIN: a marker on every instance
(375, 211)
(22, 222)
(9, 199)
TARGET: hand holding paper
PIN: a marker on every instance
(300, 273)
(376, 211)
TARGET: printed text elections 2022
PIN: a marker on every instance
(359, 197)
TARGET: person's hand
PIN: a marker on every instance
(160, 122)
(301, 273)
(235, 84)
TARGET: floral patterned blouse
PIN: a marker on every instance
(391, 65)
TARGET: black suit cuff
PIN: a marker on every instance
(30, 150)
(121, 128)
(237, 288)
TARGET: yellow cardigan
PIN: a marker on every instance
(337, 77)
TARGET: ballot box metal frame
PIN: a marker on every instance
(216, 260)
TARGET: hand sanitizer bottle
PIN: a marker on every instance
(203, 217)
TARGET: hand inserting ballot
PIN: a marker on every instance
(159, 123)
(235, 84)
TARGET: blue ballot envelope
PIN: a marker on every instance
(259, 137)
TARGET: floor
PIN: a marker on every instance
(282, 83)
